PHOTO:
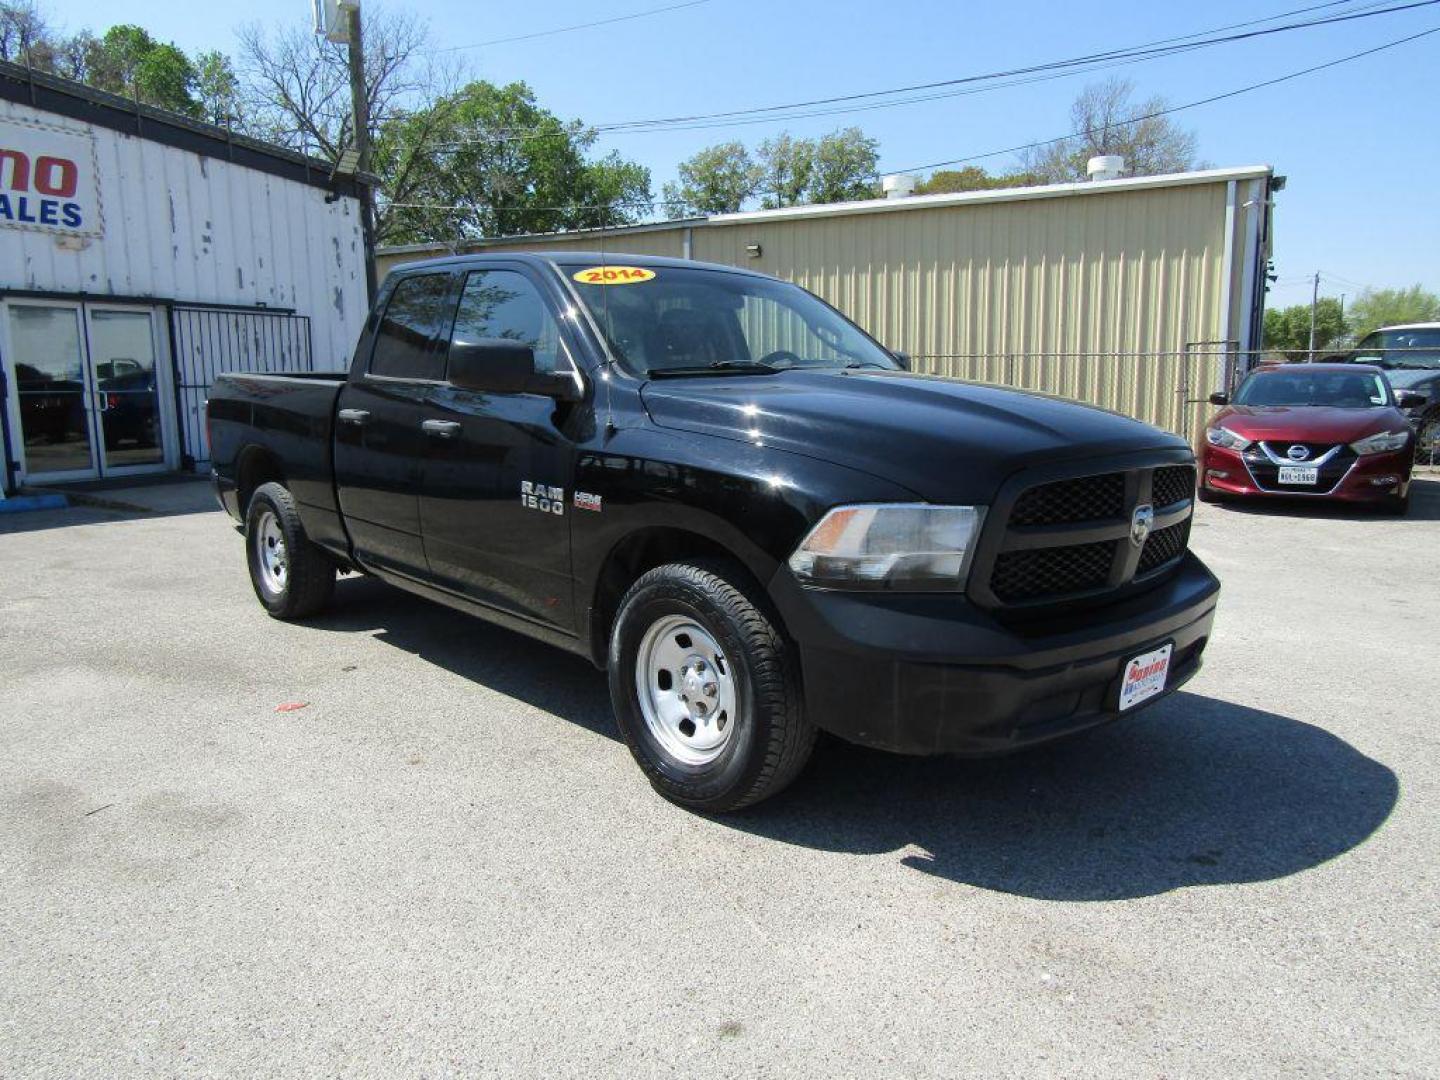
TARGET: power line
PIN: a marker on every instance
(961, 86)
(570, 29)
(1164, 46)
(651, 203)
(1180, 108)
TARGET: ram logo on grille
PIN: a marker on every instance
(1141, 521)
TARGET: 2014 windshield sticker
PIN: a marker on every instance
(614, 275)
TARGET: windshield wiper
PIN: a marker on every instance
(868, 364)
(728, 367)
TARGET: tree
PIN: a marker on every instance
(783, 170)
(491, 162)
(845, 167)
(296, 85)
(1287, 330)
(1374, 308)
(129, 61)
(972, 178)
(24, 33)
(1105, 121)
(717, 180)
(217, 90)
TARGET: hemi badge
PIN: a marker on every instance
(585, 501)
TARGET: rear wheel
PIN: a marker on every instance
(292, 577)
(706, 689)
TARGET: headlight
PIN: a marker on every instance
(912, 547)
(1381, 443)
(1226, 439)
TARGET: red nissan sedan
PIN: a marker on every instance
(1330, 431)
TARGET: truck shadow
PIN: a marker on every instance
(1193, 791)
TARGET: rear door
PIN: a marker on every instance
(495, 494)
(378, 440)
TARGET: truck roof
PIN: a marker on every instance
(589, 258)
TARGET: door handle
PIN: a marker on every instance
(353, 416)
(441, 429)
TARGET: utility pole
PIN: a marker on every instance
(1314, 302)
(360, 113)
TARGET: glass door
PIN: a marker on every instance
(126, 390)
(46, 361)
(89, 389)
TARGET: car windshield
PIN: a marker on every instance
(1327, 387)
(669, 320)
(1419, 348)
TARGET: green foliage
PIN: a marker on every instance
(972, 178)
(845, 168)
(456, 169)
(785, 171)
(1374, 308)
(717, 180)
(217, 89)
(1287, 330)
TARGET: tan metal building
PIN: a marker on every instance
(1139, 294)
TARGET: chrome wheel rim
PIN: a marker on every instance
(273, 559)
(686, 688)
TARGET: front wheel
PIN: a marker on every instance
(292, 577)
(706, 689)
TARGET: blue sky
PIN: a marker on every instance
(1359, 142)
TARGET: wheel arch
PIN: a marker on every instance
(255, 465)
(648, 546)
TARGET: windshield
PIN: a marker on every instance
(1298, 386)
(1418, 348)
(665, 319)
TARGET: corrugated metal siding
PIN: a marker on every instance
(1075, 296)
(183, 227)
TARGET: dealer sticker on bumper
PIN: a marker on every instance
(1144, 677)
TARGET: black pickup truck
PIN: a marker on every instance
(713, 485)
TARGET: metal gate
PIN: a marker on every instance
(212, 340)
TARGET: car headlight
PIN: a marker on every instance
(905, 547)
(1381, 443)
(1226, 439)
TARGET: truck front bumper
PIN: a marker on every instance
(934, 674)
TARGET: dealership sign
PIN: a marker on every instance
(48, 179)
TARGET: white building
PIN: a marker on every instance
(141, 253)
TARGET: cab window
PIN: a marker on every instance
(404, 344)
(505, 304)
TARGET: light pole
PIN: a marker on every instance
(339, 21)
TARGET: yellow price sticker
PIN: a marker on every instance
(614, 275)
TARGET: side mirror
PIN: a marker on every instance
(1408, 399)
(502, 366)
(902, 358)
(1218, 398)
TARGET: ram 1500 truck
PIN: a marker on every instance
(716, 487)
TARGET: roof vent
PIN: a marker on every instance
(899, 185)
(1106, 167)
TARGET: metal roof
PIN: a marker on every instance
(1018, 194)
(76, 101)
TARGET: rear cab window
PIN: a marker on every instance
(405, 342)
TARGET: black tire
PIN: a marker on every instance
(1207, 496)
(1399, 506)
(769, 738)
(308, 579)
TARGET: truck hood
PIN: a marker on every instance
(945, 440)
(1306, 423)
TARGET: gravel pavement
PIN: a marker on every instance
(446, 863)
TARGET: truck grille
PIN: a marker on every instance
(1064, 540)
(1024, 575)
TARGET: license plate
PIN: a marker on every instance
(1144, 677)
(1299, 474)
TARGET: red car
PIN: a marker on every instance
(1330, 431)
